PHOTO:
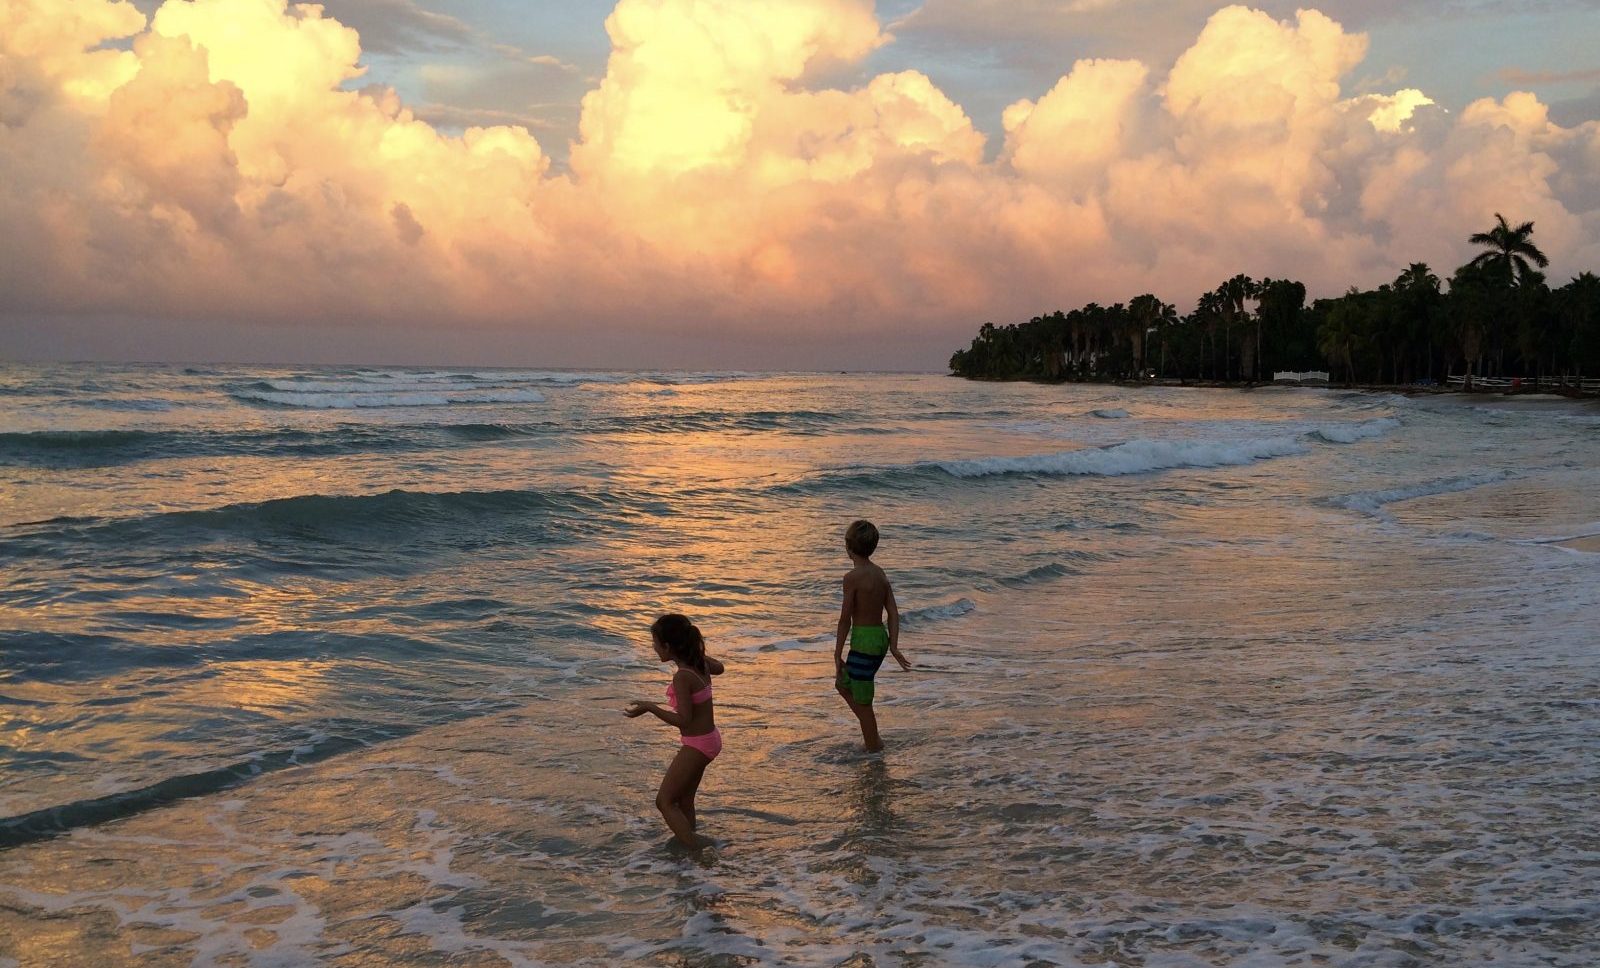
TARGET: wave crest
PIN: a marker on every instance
(1352, 432)
(444, 397)
(1131, 457)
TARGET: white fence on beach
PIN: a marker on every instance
(1525, 383)
(1291, 376)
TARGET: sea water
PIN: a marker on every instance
(327, 666)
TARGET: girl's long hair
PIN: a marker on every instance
(682, 640)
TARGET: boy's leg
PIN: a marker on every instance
(864, 714)
(681, 776)
(869, 726)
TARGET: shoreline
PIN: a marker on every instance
(1532, 395)
(1588, 544)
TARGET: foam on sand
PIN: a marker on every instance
(1585, 540)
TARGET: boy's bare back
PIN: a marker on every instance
(867, 589)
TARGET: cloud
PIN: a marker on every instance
(391, 26)
(452, 116)
(213, 165)
(538, 93)
(1518, 76)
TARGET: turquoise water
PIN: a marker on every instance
(326, 666)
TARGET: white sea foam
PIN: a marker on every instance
(1349, 433)
(938, 613)
(412, 386)
(131, 405)
(1374, 502)
(418, 398)
(452, 381)
(1131, 457)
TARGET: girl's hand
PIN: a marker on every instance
(905, 663)
(636, 709)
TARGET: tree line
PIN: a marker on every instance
(1498, 317)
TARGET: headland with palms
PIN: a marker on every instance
(1498, 317)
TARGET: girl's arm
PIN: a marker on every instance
(714, 667)
(682, 687)
(665, 715)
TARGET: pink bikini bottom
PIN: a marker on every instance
(709, 744)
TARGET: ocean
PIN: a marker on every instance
(326, 666)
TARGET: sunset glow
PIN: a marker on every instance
(222, 161)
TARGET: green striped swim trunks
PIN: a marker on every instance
(868, 645)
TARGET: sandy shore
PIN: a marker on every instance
(1589, 544)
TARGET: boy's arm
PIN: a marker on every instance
(846, 610)
(894, 629)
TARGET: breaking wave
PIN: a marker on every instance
(1351, 432)
(1130, 457)
(1375, 502)
(328, 400)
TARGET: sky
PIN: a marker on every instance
(749, 183)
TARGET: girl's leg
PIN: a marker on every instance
(683, 775)
(686, 802)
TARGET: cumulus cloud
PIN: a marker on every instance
(211, 162)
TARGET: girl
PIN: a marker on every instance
(677, 641)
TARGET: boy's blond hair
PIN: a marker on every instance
(861, 538)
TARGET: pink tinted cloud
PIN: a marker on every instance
(219, 170)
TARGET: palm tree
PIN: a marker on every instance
(1206, 314)
(1341, 333)
(1280, 304)
(1145, 313)
(1509, 250)
(1152, 315)
(1417, 301)
(1231, 296)
(1579, 305)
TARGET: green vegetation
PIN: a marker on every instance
(1496, 318)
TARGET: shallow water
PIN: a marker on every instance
(327, 667)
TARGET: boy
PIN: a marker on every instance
(867, 595)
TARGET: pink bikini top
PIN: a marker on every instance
(703, 695)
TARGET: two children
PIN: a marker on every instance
(868, 597)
